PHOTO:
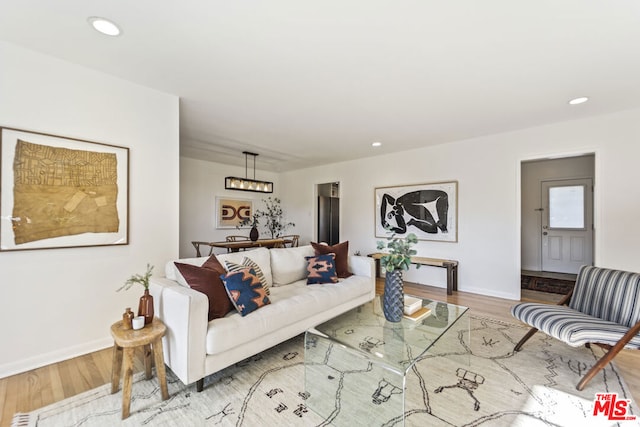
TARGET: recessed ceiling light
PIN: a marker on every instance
(376, 144)
(104, 26)
(580, 100)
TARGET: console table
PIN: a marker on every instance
(449, 264)
(242, 244)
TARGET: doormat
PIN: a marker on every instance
(547, 284)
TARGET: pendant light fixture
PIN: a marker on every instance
(246, 183)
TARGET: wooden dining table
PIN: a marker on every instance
(236, 246)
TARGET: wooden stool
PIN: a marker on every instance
(150, 337)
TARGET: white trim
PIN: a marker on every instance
(596, 197)
(490, 293)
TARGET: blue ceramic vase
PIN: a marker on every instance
(393, 298)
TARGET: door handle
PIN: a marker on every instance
(544, 233)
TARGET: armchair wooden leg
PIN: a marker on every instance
(589, 375)
(525, 339)
(609, 355)
(604, 360)
(200, 385)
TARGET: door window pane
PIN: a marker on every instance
(566, 207)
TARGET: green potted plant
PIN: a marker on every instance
(273, 216)
(397, 260)
(145, 307)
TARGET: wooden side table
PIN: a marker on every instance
(127, 340)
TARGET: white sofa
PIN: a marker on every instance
(195, 348)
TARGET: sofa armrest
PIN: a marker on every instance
(362, 266)
(185, 313)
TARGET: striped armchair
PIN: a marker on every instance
(602, 309)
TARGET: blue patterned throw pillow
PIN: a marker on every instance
(321, 269)
(249, 263)
(245, 290)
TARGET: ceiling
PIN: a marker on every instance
(307, 83)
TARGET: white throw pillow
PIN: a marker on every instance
(288, 265)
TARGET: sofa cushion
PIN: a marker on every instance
(292, 303)
(321, 269)
(288, 265)
(342, 256)
(245, 290)
(208, 282)
(246, 262)
(260, 256)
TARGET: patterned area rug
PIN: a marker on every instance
(469, 379)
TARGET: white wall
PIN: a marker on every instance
(488, 172)
(59, 303)
(200, 183)
(533, 173)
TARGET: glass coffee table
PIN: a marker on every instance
(356, 364)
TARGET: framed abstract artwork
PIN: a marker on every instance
(231, 212)
(58, 192)
(430, 211)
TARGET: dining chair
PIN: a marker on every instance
(236, 238)
(291, 240)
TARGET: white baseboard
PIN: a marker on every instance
(484, 292)
(13, 368)
(492, 293)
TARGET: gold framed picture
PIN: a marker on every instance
(59, 192)
(231, 212)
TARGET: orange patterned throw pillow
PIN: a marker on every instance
(342, 256)
(321, 269)
(249, 263)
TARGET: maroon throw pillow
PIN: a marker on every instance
(209, 283)
(342, 256)
(213, 264)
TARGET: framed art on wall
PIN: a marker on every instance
(231, 212)
(430, 211)
(58, 192)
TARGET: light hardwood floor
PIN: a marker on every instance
(40, 387)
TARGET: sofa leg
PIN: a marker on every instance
(199, 385)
